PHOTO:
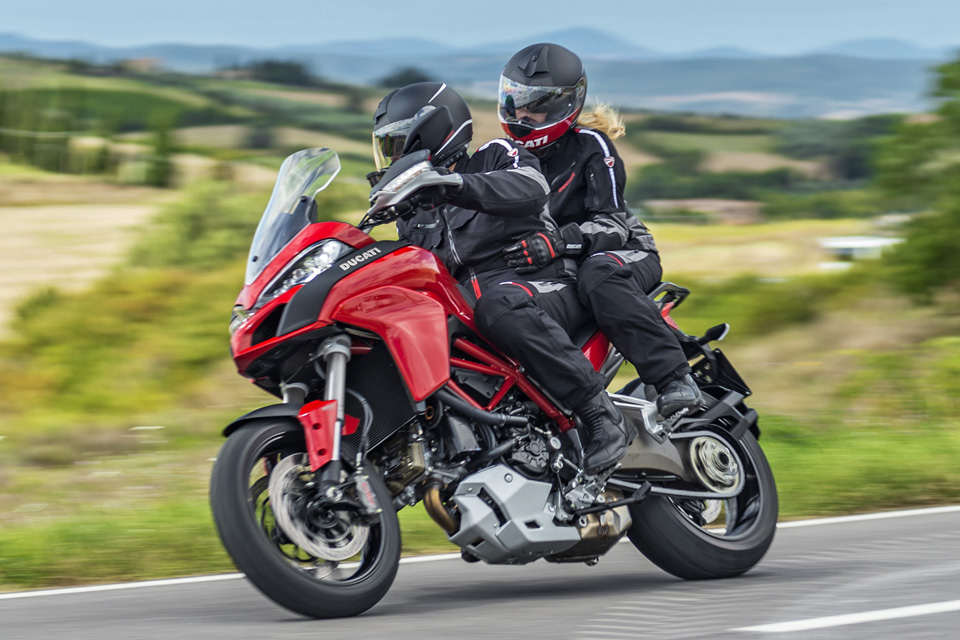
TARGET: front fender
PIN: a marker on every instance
(285, 410)
(317, 418)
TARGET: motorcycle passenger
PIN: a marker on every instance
(542, 91)
(501, 199)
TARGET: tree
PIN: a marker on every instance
(160, 167)
(402, 77)
(282, 72)
(848, 147)
(920, 166)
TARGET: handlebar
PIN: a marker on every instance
(399, 194)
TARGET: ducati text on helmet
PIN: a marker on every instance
(542, 89)
(424, 115)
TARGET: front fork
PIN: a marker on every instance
(336, 353)
(323, 420)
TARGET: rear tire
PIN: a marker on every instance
(283, 572)
(666, 532)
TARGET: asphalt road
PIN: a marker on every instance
(886, 577)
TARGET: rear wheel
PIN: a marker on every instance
(320, 561)
(701, 539)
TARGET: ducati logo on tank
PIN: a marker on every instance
(360, 259)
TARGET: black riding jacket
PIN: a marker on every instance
(503, 199)
(586, 178)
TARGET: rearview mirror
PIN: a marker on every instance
(718, 332)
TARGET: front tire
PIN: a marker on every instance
(240, 499)
(675, 535)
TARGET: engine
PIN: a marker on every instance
(501, 493)
(506, 518)
(531, 456)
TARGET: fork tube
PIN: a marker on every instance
(336, 352)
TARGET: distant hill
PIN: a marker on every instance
(884, 49)
(588, 43)
(843, 80)
(720, 52)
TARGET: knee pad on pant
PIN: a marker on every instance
(596, 270)
(496, 303)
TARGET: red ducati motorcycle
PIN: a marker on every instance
(389, 397)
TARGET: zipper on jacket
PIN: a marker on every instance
(456, 257)
(596, 194)
(453, 246)
(563, 174)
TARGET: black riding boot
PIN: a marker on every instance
(610, 435)
(679, 394)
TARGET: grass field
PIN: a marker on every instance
(707, 141)
(724, 161)
(772, 249)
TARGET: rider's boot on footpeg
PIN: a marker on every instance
(679, 395)
(610, 435)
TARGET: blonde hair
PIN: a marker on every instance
(603, 118)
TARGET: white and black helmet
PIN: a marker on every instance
(424, 115)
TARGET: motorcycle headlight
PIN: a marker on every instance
(304, 268)
(238, 318)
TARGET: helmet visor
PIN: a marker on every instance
(390, 139)
(538, 107)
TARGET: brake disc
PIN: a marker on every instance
(335, 536)
(715, 464)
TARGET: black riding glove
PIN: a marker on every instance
(572, 239)
(535, 251)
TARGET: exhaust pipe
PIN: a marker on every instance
(435, 508)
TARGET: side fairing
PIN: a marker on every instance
(413, 326)
(405, 297)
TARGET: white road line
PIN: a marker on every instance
(433, 558)
(118, 587)
(445, 556)
(179, 581)
(855, 618)
(883, 515)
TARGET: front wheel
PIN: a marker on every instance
(701, 539)
(319, 562)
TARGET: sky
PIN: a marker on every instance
(765, 26)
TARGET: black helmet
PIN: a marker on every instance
(542, 89)
(424, 115)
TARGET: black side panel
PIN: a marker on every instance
(270, 411)
(375, 377)
(305, 306)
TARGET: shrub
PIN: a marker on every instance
(826, 205)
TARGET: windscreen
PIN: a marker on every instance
(305, 173)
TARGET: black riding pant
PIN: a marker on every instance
(614, 286)
(531, 321)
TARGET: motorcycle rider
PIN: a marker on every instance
(542, 91)
(501, 198)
